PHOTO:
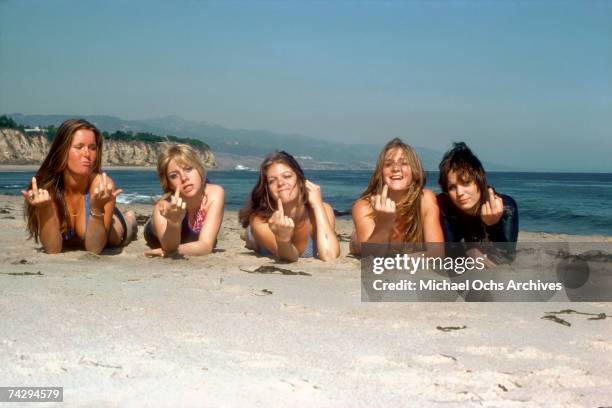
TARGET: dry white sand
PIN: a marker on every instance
(124, 330)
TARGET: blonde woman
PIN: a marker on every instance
(395, 207)
(70, 202)
(187, 219)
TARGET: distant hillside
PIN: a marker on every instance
(316, 153)
(120, 148)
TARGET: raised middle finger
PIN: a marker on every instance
(491, 197)
(499, 203)
(34, 191)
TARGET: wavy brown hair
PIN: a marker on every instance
(409, 207)
(50, 175)
(183, 155)
(260, 201)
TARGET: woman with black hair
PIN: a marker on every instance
(471, 210)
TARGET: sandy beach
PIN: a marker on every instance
(121, 329)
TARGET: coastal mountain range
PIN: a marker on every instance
(246, 147)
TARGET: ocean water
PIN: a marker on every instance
(570, 203)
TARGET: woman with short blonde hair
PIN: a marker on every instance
(187, 218)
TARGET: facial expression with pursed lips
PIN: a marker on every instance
(83, 152)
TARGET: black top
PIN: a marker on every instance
(461, 227)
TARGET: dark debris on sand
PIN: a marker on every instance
(596, 316)
(274, 269)
(38, 273)
(447, 329)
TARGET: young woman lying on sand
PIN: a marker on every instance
(471, 210)
(69, 202)
(188, 216)
(395, 207)
(285, 216)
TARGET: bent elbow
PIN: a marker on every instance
(326, 256)
(94, 249)
(288, 259)
(206, 249)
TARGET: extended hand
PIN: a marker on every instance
(281, 225)
(384, 208)
(38, 197)
(174, 211)
(152, 253)
(103, 193)
(492, 210)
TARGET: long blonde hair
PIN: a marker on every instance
(409, 207)
(50, 175)
(184, 155)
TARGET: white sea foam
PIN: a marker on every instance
(129, 198)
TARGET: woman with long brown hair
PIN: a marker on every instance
(285, 216)
(70, 202)
(396, 207)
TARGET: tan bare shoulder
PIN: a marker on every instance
(257, 219)
(428, 195)
(214, 190)
(329, 210)
(361, 207)
(428, 201)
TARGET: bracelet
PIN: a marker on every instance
(95, 215)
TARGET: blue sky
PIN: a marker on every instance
(526, 84)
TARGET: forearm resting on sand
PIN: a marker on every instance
(196, 248)
(327, 241)
(286, 251)
(95, 234)
(49, 233)
(171, 238)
